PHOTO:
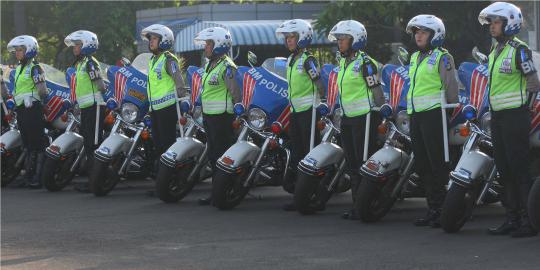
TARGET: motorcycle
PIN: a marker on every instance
(66, 154)
(12, 149)
(389, 173)
(321, 172)
(186, 162)
(127, 149)
(261, 155)
(474, 181)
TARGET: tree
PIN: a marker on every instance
(386, 21)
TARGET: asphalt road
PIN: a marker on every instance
(130, 230)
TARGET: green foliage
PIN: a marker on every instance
(386, 21)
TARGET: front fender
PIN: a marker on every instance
(11, 140)
(239, 154)
(385, 161)
(184, 150)
(66, 143)
(472, 166)
(112, 146)
(321, 157)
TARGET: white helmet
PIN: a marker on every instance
(28, 42)
(428, 22)
(352, 28)
(299, 26)
(163, 32)
(220, 36)
(88, 39)
(509, 13)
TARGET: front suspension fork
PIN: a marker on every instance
(404, 178)
(247, 182)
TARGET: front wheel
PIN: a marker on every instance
(104, 176)
(373, 200)
(456, 209)
(228, 189)
(534, 205)
(57, 173)
(172, 184)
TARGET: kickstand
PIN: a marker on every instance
(256, 197)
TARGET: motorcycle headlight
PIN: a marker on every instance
(257, 118)
(485, 123)
(403, 122)
(197, 115)
(336, 118)
(129, 112)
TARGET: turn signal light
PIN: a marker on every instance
(321, 125)
(382, 129)
(273, 144)
(276, 128)
(109, 119)
(464, 131)
(183, 121)
(145, 135)
(236, 124)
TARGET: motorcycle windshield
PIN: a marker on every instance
(329, 76)
(263, 88)
(128, 84)
(57, 89)
(396, 83)
(194, 78)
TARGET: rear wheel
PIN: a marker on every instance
(228, 189)
(57, 173)
(172, 185)
(456, 209)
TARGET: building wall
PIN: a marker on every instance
(231, 12)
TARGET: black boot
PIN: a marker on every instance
(352, 214)
(510, 225)
(36, 179)
(525, 230)
(205, 201)
(432, 219)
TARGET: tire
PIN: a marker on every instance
(534, 205)
(227, 189)
(372, 200)
(305, 192)
(9, 172)
(56, 173)
(104, 176)
(172, 185)
(456, 209)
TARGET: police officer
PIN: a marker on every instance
(30, 93)
(220, 92)
(359, 91)
(4, 95)
(432, 71)
(304, 90)
(89, 88)
(165, 85)
(513, 85)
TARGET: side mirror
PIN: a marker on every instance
(239, 109)
(323, 109)
(66, 104)
(252, 58)
(184, 106)
(470, 112)
(125, 62)
(478, 56)
(386, 110)
(112, 104)
(403, 56)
